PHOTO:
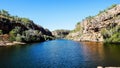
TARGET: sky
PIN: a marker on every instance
(56, 14)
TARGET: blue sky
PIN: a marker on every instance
(56, 14)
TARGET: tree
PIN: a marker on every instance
(18, 38)
(25, 21)
(4, 13)
(114, 5)
(13, 33)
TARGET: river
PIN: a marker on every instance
(60, 54)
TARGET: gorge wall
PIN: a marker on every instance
(101, 27)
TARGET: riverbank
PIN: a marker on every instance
(7, 43)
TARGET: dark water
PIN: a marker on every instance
(60, 54)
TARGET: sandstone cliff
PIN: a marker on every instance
(92, 28)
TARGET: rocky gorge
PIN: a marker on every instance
(103, 27)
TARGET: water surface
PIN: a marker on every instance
(60, 54)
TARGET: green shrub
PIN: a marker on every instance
(13, 33)
(105, 33)
(18, 38)
(114, 5)
(115, 38)
(114, 35)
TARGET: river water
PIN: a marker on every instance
(60, 54)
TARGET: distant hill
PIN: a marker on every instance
(22, 29)
(104, 27)
(61, 33)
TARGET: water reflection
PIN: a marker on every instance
(112, 54)
(93, 50)
(106, 54)
(60, 54)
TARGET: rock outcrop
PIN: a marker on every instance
(90, 29)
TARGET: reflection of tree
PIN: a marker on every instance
(112, 55)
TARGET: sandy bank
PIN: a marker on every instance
(7, 43)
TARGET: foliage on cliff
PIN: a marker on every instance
(111, 35)
(22, 29)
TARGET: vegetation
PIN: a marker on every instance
(5, 14)
(89, 17)
(114, 5)
(18, 38)
(111, 35)
(77, 28)
(13, 33)
(105, 33)
(1, 32)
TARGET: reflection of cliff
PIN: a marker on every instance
(104, 54)
(93, 50)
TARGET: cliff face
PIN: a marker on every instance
(7, 25)
(91, 28)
